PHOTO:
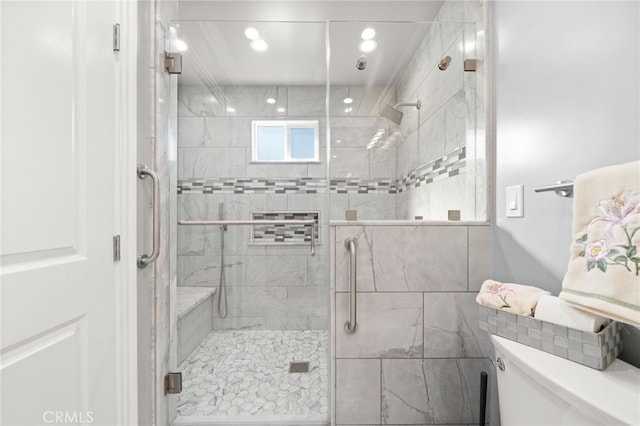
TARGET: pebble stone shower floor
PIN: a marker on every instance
(246, 373)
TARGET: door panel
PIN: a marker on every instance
(58, 159)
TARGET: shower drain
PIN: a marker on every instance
(299, 367)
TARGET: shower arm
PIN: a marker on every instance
(417, 104)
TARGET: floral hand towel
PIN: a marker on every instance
(516, 298)
(603, 276)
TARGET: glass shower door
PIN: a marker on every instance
(252, 299)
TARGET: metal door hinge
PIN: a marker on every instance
(116, 38)
(471, 65)
(173, 62)
(173, 383)
(116, 248)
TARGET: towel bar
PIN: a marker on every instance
(564, 188)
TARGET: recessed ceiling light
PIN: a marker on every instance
(181, 46)
(281, 109)
(368, 34)
(231, 109)
(251, 33)
(347, 100)
(367, 46)
(259, 45)
(271, 101)
(347, 110)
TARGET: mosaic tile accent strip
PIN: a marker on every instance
(449, 165)
(245, 373)
(364, 186)
(252, 186)
(284, 234)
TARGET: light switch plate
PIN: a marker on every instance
(515, 201)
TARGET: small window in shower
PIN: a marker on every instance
(285, 141)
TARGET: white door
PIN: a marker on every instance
(58, 128)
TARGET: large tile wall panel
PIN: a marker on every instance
(480, 243)
(440, 384)
(389, 326)
(451, 327)
(405, 258)
(367, 101)
(197, 100)
(355, 132)
(431, 391)
(358, 391)
(373, 206)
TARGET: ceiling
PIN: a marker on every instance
(219, 53)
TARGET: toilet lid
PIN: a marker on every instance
(611, 395)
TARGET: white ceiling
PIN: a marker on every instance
(219, 53)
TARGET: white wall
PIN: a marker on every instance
(566, 101)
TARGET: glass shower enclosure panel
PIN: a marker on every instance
(253, 249)
(404, 118)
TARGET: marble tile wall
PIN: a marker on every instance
(418, 352)
(216, 144)
(268, 286)
(452, 116)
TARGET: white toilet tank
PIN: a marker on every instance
(539, 389)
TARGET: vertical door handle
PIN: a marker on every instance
(351, 326)
(143, 259)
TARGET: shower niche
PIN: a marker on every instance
(398, 139)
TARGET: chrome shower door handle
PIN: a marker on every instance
(351, 326)
(143, 259)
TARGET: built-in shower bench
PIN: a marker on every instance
(194, 307)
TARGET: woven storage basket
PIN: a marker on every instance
(595, 350)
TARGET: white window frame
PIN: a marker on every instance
(288, 125)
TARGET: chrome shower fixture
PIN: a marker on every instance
(444, 63)
(395, 115)
(361, 62)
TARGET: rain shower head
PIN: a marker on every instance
(395, 115)
(392, 114)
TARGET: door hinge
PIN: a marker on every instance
(116, 37)
(173, 383)
(116, 248)
(173, 62)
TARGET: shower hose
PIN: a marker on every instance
(222, 288)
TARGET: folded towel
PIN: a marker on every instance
(603, 276)
(516, 298)
(555, 310)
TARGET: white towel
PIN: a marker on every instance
(555, 310)
(516, 298)
(603, 276)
